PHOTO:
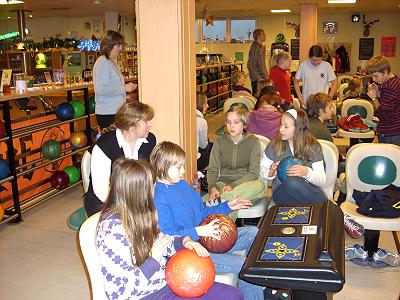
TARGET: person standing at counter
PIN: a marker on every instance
(109, 84)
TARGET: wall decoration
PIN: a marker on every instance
(296, 27)
(368, 25)
(337, 54)
(366, 48)
(388, 46)
(330, 27)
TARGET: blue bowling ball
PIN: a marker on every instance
(285, 164)
(4, 169)
(64, 112)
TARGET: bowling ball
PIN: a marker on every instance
(92, 104)
(203, 78)
(64, 112)
(214, 90)
(1, 212)
(73, 174)
(286, 163)
(4, 169)
(78, 107)
(208, 93)
(59, 180)
(51, 149)
(224, 88)
(228, 232)
(2, 129)
(78, 139)
(189, 275)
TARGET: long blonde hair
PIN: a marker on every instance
(131, 197)
(303, 140)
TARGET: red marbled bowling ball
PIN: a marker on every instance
(189, 275)
(59, 180)
(228, 232)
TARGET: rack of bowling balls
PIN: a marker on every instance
(52, 153)
(215, 82)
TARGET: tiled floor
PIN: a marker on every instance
(39, 257)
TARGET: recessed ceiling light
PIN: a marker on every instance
(5, 2)
(8, 17)
(277, 11)
(30, 16)
(341, 1)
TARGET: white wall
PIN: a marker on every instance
(389, 25)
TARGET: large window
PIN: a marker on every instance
(216, 32)
(242, 30)
(196, 31)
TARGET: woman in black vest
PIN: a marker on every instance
(131, 139)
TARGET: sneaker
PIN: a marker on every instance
(353, 229)
(374, 262)
(387, 257)
(355, 252)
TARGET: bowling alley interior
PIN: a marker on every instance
(205, 61)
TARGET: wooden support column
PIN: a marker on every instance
(167, 71)
(308, 28)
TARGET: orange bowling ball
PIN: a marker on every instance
(1, 212)
(188, 275)
(78, 139)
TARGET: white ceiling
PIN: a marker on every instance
(218, 8)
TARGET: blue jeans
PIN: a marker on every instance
(232, 263)
(394, 139)
(296, 190)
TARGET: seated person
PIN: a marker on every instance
(132, 251)
(295, 139)
(204, 146)
(355, 89)
(131, 139)
(265, 119)
(235, 161)
(181, 210)
(261, 84)
(238, 81)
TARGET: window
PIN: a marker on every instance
(242, 30)
(196, 31)
(215, 32)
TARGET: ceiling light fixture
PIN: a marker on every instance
(277, 11)
(5, 2)
(342, 1)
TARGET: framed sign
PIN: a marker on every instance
(330, 27)
(388, 46)
(294, 48)
(366, 48)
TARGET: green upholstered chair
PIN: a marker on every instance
(76, 219)
(344, 79)
(360, 107)
(372, 167)
(343, 89)
(247, 95)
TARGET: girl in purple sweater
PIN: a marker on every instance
(133, 252)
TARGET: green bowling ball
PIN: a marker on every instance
(92, 104)
(73, 173)
(51, 149)
(79, 108)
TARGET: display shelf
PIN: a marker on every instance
(218, 82)
(8, 217)
(35, 192)
(4, 139)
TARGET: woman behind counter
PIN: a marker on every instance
(109, 85)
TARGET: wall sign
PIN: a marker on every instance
(388, 46)
(366, 48)
(330, 27)
(294, 48)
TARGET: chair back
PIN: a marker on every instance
(87, 241)
(372, 167)
(343, 88)
(331, 160)
(296, 103)
(263, 142)
(344, 79)
(238, 94)
(360, 107)
(241, 101)
(85, 170)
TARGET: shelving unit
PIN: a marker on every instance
(215, 81)
(128, 61)
(18, 165)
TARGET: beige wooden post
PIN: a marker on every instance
(308, 28)
(167, 71)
